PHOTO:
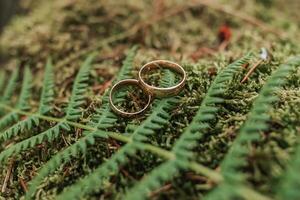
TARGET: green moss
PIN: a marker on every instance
(61, 29)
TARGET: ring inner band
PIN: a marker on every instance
(121, 84)
(159, 91)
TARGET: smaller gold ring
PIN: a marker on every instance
(119, 85)
(158, 91)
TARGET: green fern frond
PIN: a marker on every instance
(96, 179)
(11, 86)
(5, 99)
(157, 120)
(104, 118)
(256, 123)
(207, 112)
(290, 181)
(48, 89)
(45, 106)
(127, 65)
(73, 112)
(78, 93)
(2, 80)
(220, 193)
(23, 102)
(185, 144)
(153, 180)
(19, 127)
(8, 119)
(61, 158)
(17, 148)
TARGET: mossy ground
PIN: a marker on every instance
(163, 30)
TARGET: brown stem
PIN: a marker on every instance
(7, 176)
(23, 184)
(251, 70)
(160, 190)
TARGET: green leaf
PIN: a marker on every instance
(47, 96)
(11, 86)
(103, 118)
(154, 122)
(184, 145)
(236, 158)
(79, 89)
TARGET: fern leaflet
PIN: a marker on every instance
(103, 118)
(289, 186)
(2, 80)
(48, 91)
(256, 122)
(184, 145)
(8, 119)
(80, 86)
(10, 88)
(23, 103)
(73, 113)
(44, 107)
(158, 118)
(290, 181)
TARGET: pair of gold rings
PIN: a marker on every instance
(151, 91)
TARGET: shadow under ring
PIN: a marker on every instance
(123, 83)
(159, 91)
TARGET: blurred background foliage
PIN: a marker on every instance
(7, 9)
(205, 36)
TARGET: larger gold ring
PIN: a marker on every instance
(122, 84)
(158, 91)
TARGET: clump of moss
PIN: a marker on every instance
(61, 29)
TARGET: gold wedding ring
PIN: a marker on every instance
(122, 84)
(159, 91)
(151, 91)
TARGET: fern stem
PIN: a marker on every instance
(249, 194)
(215, 176)
(183, 147)
(159, 151)
(236, 159)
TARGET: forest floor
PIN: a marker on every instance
(204, 36)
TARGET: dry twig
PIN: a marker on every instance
(23, 184)
(7, 176)
(162, 189)
(251, 70)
